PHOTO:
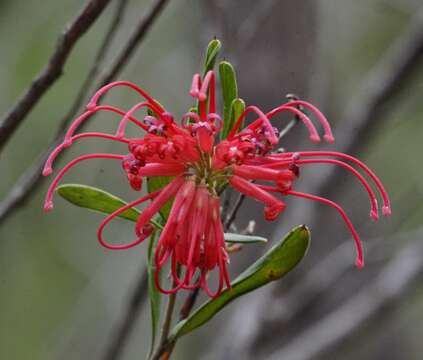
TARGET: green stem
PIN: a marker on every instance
(167, 322)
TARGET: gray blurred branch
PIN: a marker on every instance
(53, 70)
(387, 79)
(28, 182)
(391, 284)
(124, 328)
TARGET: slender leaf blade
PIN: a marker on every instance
(95, 199)
(276, 263)
(237, 108)
(212, 52)
(243, 239)
(98, 200)
(229, 93)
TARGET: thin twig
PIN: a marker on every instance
(31, 179)
(167, 322)
(141, 30)
(232, 215)
(287, 129)
(53, 70)
(122, 332)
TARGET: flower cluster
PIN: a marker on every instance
(192, 240)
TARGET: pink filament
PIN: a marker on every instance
(117, 213)
(325, 123)
(262, 119)
(167, 192)
(252, 190)
(359, 260)
(386, 202)
(93, 102)
(48, 167)
(48, 204)
(122, 125)
(200, 210)
(314, 136)
(209, 83)
(373, 200)
(195, 86)
(159, 169)
(260, 173)
(78, 121)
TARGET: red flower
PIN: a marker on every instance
(192, 240)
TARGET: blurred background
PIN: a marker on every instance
(62, 296)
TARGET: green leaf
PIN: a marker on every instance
(156, 183)
(213, 49)
(153, 293)
(237, 108)
(244, 239)
(95, 199)
(229, 93)
(98, 200)
(276, 263)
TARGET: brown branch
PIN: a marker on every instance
(31, 179)
(126, 324)
(53, 70)
(141, 30)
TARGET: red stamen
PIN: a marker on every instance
(122, 125)
(116, 213)
(359, 260)
(159, 169)
(209, 84)
(48, 167)
(386, 209)
(167, 192)
(374, 208)
(78, 121)
(261, 173)
(322, 118)
(195, 86)
(314, 136)
(48, 203)
(273, 205)
(93, 102)
(263, 120)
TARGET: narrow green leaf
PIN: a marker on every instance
(229, 93)
(244, 239)
(95, 199)
(237, 108)
(153, 293)
(156, 183)
(213, 49)
(276, 263)
(98, 200)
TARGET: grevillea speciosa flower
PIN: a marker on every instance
(192, 240)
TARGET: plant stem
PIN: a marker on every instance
(167, 322)
(168, 319)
